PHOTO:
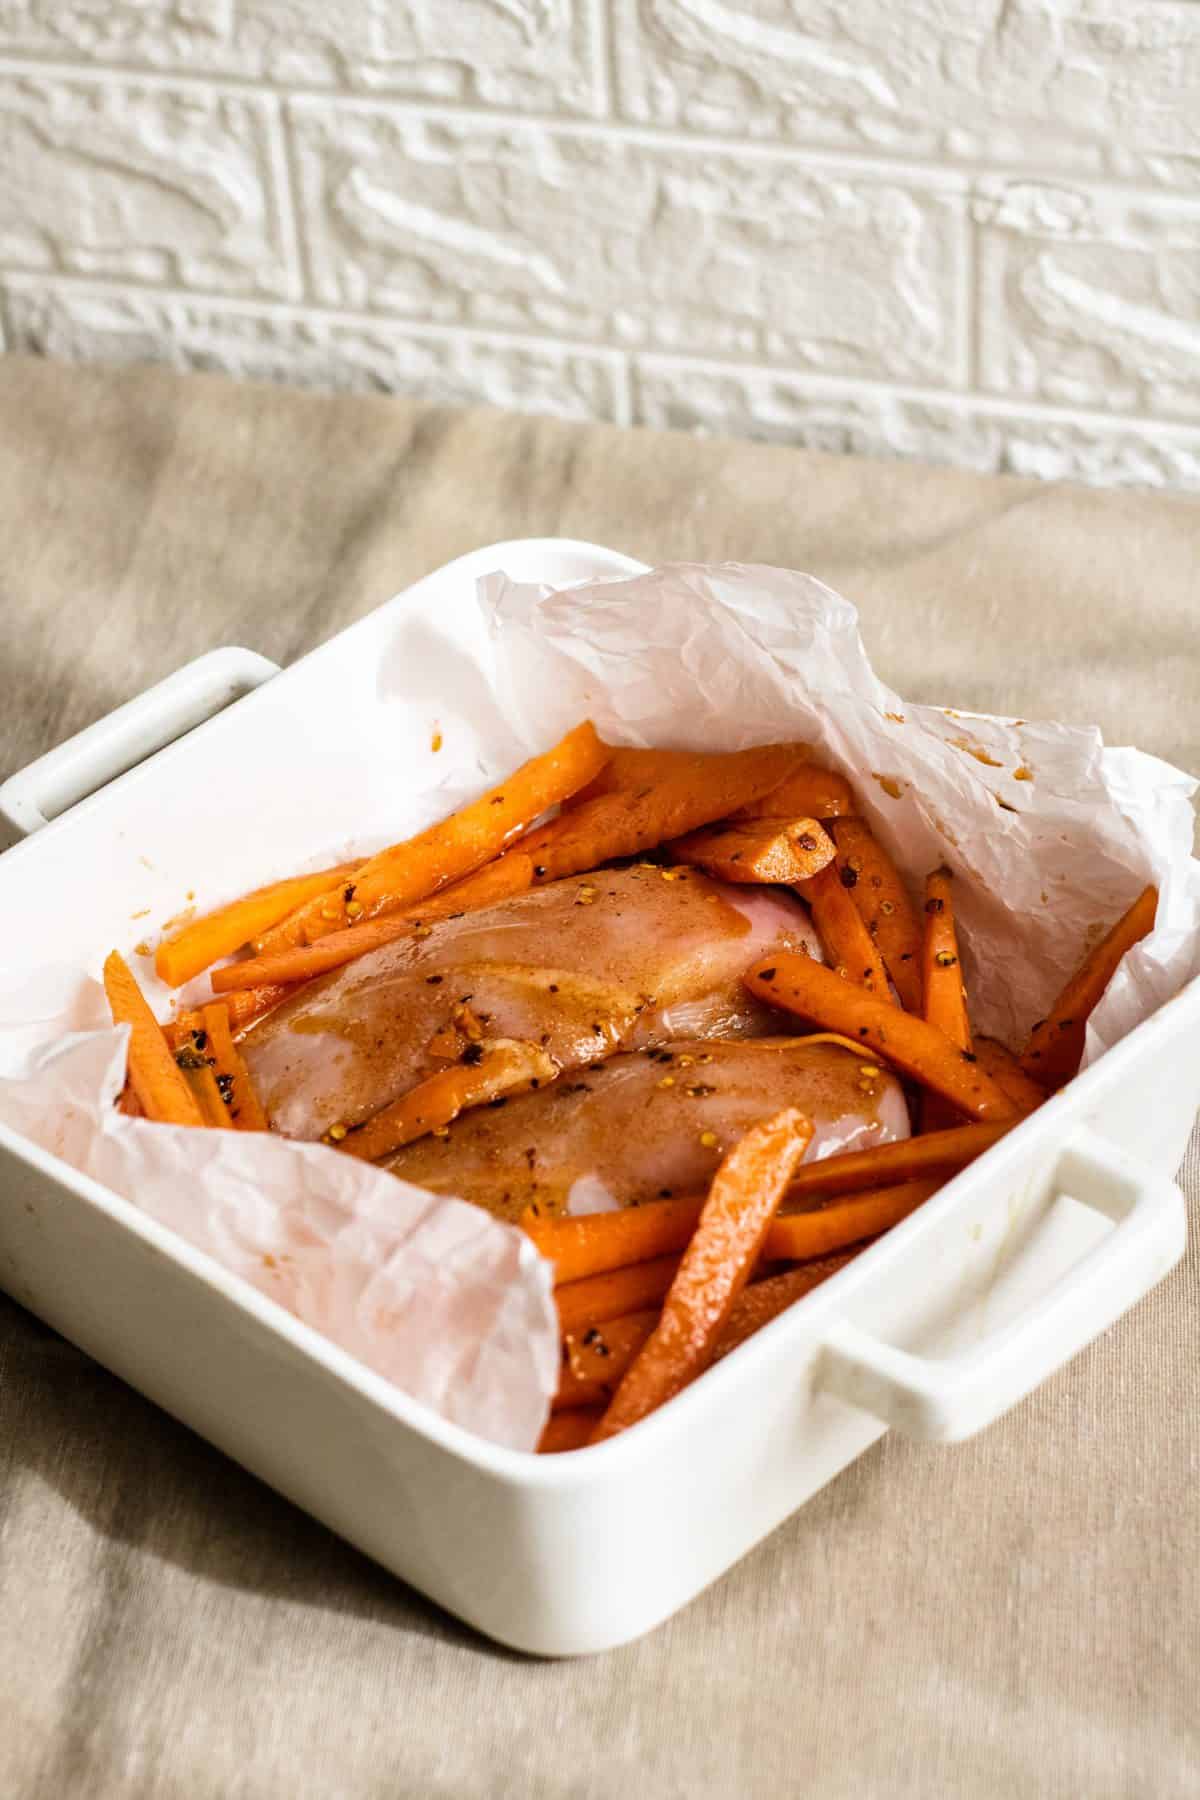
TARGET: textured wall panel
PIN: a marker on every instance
(540, 53)
(543, 231)
(1090, 299)
(785, 409)
(156, 184)
(315, 351)
(1082, 83)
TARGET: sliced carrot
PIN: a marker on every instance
(943, 996)
(245, 1009)
(405, 873)
(162, 1092)
(797, 984)
(628, 770)
(758, 850)
(998, 1061)
(844, 938)
(797, 1237)
(595, 1359)
(203, 1083)
(757, 1305)
(598, 1241)
(880, 895)
(910, 1159)
(245, 1108)
(129, 1104)
(743, 1198)
(627, 822)
(569, 1430)
(808, 792)
(1055, 1045)
(505, 1065)
(190, 951)
(500, 880)
(601, 1297)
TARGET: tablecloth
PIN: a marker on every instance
(1018, 1615)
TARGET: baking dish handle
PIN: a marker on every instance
(115, 743)
(942, 1400)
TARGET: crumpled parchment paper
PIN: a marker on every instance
(1050, 834)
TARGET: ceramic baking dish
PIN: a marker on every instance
(937, 1329)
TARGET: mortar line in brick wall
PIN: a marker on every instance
(968, 297)
(292, 192)
(624, 404)
(623, 363)
(931, 170)
(604, 29)
(279, 152)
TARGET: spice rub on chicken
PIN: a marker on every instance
(614, 961)
(652, 1124)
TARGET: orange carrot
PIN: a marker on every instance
(162, 1092)
(798, 1237)
(910, 1159)
(743, 1198)
(844, 938)
(601, 1297)
(568, 1430)
(627, 822)
(758, 850)
(405, 873)
(245, 1108)
(598, 1241)
(628, 770)
(998, 1061)
(765, 1300)
(943, 996)
(505, 1065)
(500, 880)
(808, 792)
(190, 951)
(881, 897)
(595, 1359)
(208, 1097)
(797, 984)
(244, 1009)
(128, 1103)
(1055, 1045)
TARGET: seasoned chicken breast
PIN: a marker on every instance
(613, 961)
(652, 1124)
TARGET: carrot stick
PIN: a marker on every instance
(844, 938)
(244, 1009)
(798, 1237)
(911, 1159)
(569, 1430)
(626, 822)
(943, 996)
(128, 1103)
(162, 1092)
(756, 1306)
(881, 897)
(628, 770)
(1055, 1045)
(406, 873)
(500, 880)
(601, 1297)
(998, 1061)
(598, 1241)
(203, 1083)
(758, 850)
(743, 1198)
(504, 1066)
(233, 1077)
(595, 1359)
(799, 985)
(808, 792)
(220, 933)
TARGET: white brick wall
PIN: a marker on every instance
(959, 229)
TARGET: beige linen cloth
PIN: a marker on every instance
(1019, 1615)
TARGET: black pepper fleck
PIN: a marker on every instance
(766, 974)
(472, 1055)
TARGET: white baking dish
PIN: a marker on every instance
(937, 1329)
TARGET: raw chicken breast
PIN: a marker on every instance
(653, 1124)
(617, 960)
